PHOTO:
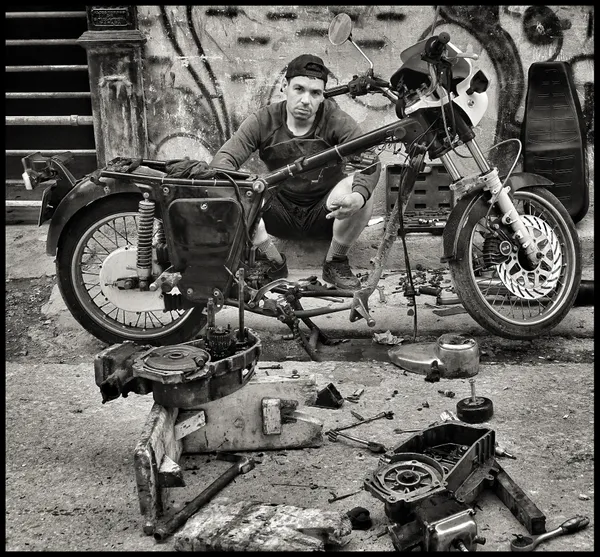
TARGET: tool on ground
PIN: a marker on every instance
(242, 465)
(355, 395)
(387, 415)
(399, 430)
(275, 366)
(429, 290)
(449, 394)
(335, 497)
(310, 486)
(357, 415)
(500, 451)
(474, 410)
(382, 297)
(371, 445)
(525, 543)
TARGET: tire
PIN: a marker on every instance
(93, 229)
(498, 293)
(474, 412)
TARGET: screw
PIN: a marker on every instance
(190, 291)
(165, 191)
(249, 193)
(473, 398)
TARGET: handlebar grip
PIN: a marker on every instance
(435, 45)
(334, 91)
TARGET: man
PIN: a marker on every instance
(319, 204)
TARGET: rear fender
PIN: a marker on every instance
(465, 210)
(83, 194)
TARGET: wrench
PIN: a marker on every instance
(525, 543)
(386, 415)
(371, 445)
(243, 464)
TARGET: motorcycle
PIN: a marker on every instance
(148, 257)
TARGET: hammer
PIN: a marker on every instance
(242, 465)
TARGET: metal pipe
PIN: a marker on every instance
(72, 120)
(42, 15)
(19, 203)
(480, 159)
(450, 167)
(241, 332)
(48, 152)
(57, 68)
(41, 42)
(49, 95)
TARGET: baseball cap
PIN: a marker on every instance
(307, 65)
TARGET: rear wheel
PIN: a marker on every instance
(99, 247)
(493, 280)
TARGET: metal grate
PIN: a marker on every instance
(47, 97)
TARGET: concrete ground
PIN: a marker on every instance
(70, 483)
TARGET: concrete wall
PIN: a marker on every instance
(207, 67)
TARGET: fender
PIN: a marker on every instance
(83, 194)
(464, 209)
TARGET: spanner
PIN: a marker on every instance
(387, 415)
(371, 445)
(525, 543)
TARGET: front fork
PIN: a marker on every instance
(489, 180)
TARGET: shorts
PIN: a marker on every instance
(289, 221)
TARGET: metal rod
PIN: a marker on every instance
(73, 120)
(41, 42)
(48, 152)
(18, 203)
(56, 68)
(478, 156)
(41, 15)
(451, 167)
(473, 397)
(50, 95)
(240, 277)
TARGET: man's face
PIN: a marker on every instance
(304, 95)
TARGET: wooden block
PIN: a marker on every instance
(235, 422)
(271, 416)
(170, 474)
(193, 422)
(157, 440)
(256, 526)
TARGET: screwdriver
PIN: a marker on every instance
(371, 445)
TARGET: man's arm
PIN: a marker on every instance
(238, 148)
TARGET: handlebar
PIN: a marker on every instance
(434, 47)
(359, 85)
(334, 91)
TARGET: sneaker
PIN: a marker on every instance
(265, 271)
(339, 273)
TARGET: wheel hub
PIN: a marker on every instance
(119, 267)
(540, 281)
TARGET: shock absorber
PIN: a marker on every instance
(144, 247)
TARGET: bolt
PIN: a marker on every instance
(249, 193)
(165, 191)
(472, 382)
(204, 206)
(190, 291)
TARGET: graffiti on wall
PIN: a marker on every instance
(208, 67)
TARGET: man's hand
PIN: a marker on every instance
(345, 206)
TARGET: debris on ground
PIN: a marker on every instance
(387, 338)
(256, 526)
(360, 518)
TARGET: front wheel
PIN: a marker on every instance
(496, 284)
(95, 249)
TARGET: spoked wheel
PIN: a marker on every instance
(96, 256)
(498, 287)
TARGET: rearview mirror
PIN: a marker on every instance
(340, 29)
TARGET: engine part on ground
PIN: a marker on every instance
(499, 451)
(525, 543)
(475, 409)
(585, 295)
(187, 375)
(441, 524)
(446, 392)
(242, 465)
(451, 356)
(437, 517)
(360, 518)
(329, 397)
(372, 446)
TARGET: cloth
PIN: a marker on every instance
(189, 168)
(266, 131)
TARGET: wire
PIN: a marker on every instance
(239, 199)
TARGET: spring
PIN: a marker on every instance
(145, 231)
(491, 252)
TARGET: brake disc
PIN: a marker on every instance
(540, 281)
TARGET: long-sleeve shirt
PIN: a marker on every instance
(266, 130)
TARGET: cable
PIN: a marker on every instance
(239, 199)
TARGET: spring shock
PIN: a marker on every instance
(144, 247)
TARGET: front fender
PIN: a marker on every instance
(463, 210)
(82, 194)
